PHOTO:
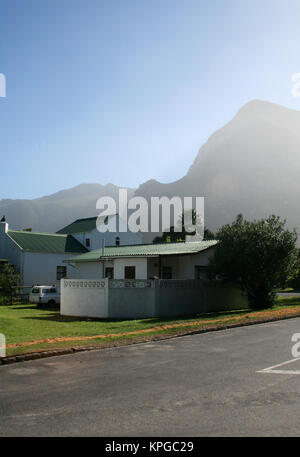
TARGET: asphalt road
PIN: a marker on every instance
(201, 385)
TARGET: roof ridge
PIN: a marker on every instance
(152, 249)
(38, 233)
(171, 243)
(83, 219)
(91, 217)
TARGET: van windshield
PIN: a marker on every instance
(49, 291)
(36, 290)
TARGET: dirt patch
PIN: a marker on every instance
(260, 315)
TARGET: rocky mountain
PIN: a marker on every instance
(250, 166)
(50, 213)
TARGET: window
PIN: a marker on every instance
(200, 272)
(109, 272)
(117, 241)
(87, 242)
(167, 273)
(49, 291)
(61, 272)
(129, 273)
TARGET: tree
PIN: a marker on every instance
(294, 279)
(9, 280)
(173, 237)
(259, 255)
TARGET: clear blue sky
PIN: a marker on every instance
(124, 91)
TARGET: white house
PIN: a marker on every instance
(39, 257)
(87, 233)
(146, 280)
(184, 260)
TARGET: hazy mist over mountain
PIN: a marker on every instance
(250, 166)
(50, 213)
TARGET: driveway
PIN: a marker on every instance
(202, 385)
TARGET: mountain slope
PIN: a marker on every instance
(51, 213)
(250, 166)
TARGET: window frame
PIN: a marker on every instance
(112, 272)
(128, 268)
(169, 275)
(61, 272)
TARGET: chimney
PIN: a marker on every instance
(3, 225)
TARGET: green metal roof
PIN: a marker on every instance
(46, 242)
(146, 250)
(80, 226)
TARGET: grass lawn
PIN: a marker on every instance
(28, 328)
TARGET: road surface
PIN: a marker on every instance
(203, 385)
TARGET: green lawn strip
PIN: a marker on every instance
(21, 323)
(118, 340)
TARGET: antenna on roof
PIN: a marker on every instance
(103, 244)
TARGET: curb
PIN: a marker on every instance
(57, 352)
(43, 354)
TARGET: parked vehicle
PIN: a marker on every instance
(45, 295)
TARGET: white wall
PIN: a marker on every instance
(103, 298)
(96, 238)
(40, 268)
(187, 265)
(139, 263)
(82, 297)
(87, 270)
(91, 270)
(153, 267)
(183, 267)
(131, 299)
(9, 249)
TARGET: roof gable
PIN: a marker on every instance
(46, 242)
(81, 225)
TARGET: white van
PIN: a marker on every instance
(45, 295)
